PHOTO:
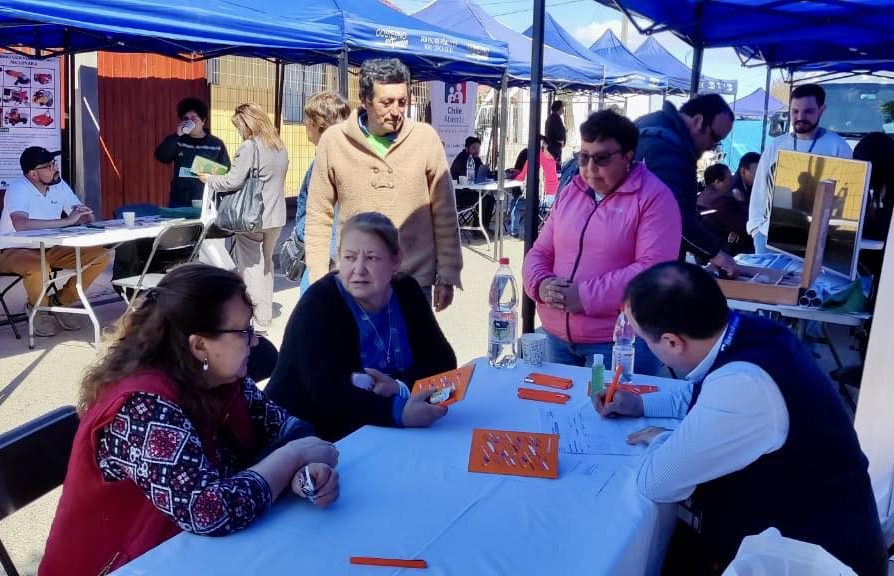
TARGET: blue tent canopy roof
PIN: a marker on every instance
(314, 31)
(560, 70)
(618, 78)
(752, 106)
(610, 47)
(372, 29)
(680, 75)
(192, 28)
(783, 33)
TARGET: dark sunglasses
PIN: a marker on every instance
(601, 160)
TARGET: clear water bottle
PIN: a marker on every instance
(502, 320)
(470, 169)
(623, 351)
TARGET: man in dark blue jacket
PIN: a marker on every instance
(670, 144)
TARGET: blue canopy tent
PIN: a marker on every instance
(371, 29)
(560, 70)
(679, 74)
(779, 33)
(318, 31)
(752, 106)
(618, 78)
(610, 48)
(189, 29)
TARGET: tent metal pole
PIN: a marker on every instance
(766, 111)
(698, 53)
(278, 95)
(502, 140)
(343, 73)
(71, 97)
(532, 187)
(589, 101)
(601, 99)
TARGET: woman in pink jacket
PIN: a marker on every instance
(612, 221)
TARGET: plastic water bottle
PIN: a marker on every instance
(623, 351)
(470, 169)
(501, 322)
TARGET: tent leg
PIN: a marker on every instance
(502, 140)
(766, 111)
(343, 73)
(532, 188)
(71, 98)
(698, 53)
(589, 101)
(601, 100)
(278, 94)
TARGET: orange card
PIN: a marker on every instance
(547, 380)
(515, 453)
(458, 378)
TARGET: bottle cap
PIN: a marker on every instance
(504, 261)
(597, 358)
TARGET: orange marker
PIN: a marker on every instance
(610, 395)
(391, 562)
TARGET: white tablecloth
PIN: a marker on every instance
(407, 494)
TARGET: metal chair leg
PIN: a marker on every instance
(6, 562)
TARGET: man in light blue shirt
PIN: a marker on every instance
(806, 110)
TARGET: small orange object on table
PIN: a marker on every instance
(391, 562)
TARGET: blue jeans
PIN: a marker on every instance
(760, 243)
(562, 352)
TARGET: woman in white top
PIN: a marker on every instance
(254, 251)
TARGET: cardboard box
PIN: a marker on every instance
(775, 287)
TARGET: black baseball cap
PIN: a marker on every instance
(34, 156)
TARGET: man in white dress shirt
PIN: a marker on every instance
(805, 112)
(763, 441)
(36, 200)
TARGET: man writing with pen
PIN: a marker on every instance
(764, 440)
(37, 200)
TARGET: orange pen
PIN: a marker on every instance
(392, 562)
(609, 396)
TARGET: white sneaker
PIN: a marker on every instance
(43, 323)
(66, 321)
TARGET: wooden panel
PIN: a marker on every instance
(138, 96)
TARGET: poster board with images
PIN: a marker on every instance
(776, 278)
(795, 181)
(30, 109)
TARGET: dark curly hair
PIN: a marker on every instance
(607, 124)
(192, 105)
(155, 336)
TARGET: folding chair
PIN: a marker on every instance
(33, 461)
(170, 245)
(9, 317)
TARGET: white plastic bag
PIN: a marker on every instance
(213, 251)
(771, 554)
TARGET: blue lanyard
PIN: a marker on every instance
(819, 134)
(734, 321)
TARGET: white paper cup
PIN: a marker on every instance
(533, 348)
(196, 203)
(129, 219)
(463, 180)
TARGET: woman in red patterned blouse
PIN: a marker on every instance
(174, 436)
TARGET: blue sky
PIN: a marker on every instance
(587, 20)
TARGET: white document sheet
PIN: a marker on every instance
(584, 431)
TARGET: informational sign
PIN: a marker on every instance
(453, 113)
(29, 109)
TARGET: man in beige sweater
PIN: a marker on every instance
(379, 160)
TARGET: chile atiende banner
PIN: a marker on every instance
(453, 113)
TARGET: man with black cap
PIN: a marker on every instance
(40, 199)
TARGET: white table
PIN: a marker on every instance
(483, 189)
(408, 494)
(112, 232)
